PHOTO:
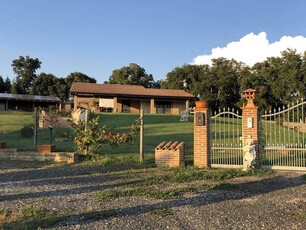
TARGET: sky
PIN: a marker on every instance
(97, 36)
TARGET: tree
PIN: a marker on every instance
(279, 80)
(193, 75)
(5, 86)
(48, 84)
(224, 84)
(2, 85)
(78, 77)
(131, 75)
(45, 85)
(25, 68)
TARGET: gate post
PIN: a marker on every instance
(201, 142)
(250, 121)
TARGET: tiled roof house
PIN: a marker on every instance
(129, 98)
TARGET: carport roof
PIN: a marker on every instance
(128, 90)
(25, 97)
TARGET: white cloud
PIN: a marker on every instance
(253, 48)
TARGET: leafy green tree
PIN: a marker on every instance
(7, 85)
(15, 87)
(192, 75)
(131, 75)
(224, 77)
(25, 69)
(48, 84)
(218, 84)
(279, 80)
(62, 89)
(45, 85)
(2, 85)
(78, 77)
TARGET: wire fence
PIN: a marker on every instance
(156, 129)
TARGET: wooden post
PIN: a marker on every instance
(35, 127)
(141, 137)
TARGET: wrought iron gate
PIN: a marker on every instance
(225, 139)
(283, 138)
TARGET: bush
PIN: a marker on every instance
(27, 131)
(90, 137)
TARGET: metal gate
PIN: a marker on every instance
(283, 138)
(226, 144)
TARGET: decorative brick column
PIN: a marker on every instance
(201, 135)
(250, 121)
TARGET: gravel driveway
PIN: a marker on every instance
(274, 202)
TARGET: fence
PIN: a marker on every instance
(278, 139)
(157, 128)
(226, 143)
(17, 130)
(283, 141)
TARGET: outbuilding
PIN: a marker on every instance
(24, 102)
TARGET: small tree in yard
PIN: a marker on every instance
(90, 137)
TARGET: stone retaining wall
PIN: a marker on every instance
(15, 154)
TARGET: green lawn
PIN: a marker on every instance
(157, 128)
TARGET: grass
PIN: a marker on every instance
(158, 128)
(162, 212)
(30, 217)
(144, 183)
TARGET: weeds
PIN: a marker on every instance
(158, 176)
(150, 193)
(162, 212)
(301, 214)
(31, 217)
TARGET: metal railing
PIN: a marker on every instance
(283, 139)
(226, 144)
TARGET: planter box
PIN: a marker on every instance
(201, 104)
(45, 148)
(170, 154)
(2, 145)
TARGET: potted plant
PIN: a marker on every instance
(200, 103)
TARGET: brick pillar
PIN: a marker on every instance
(201, 141)
(250, 121)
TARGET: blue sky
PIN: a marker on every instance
(97, 36)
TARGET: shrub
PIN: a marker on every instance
(90, 137)
(27, 131)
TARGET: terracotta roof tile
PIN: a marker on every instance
(131, 90)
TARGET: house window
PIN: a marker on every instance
(163, 107)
